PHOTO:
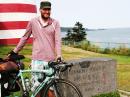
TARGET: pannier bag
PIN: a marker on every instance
(7, 66)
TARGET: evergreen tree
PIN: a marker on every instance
(77, 33)
(68, 35)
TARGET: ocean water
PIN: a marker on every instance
(108, 37)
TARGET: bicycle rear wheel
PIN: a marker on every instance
(62, 88)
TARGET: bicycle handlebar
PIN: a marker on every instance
(63, 66)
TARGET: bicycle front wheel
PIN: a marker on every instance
(20, 91)
(61, 88)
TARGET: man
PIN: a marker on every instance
(46, 40)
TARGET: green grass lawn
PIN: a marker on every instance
(123, 71)
(123, 62)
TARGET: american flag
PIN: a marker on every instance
(14, 17)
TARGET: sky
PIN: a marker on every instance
(91, 13)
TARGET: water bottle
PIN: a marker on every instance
(27, 84)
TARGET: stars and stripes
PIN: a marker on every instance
(14, 17)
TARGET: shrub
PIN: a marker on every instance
(112, 94)
(84, 44)
(106, 51)
(93, 48)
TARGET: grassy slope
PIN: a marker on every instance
(123, 67)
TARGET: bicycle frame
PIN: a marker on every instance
(47, 79)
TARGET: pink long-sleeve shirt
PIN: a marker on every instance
(46, 40)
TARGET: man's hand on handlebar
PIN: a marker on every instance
(60, 66)
(59, 60)
(11, 53)
(14, 56)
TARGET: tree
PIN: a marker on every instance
(69, 35)
(76, 34)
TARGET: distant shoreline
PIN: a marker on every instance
(65, 29)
